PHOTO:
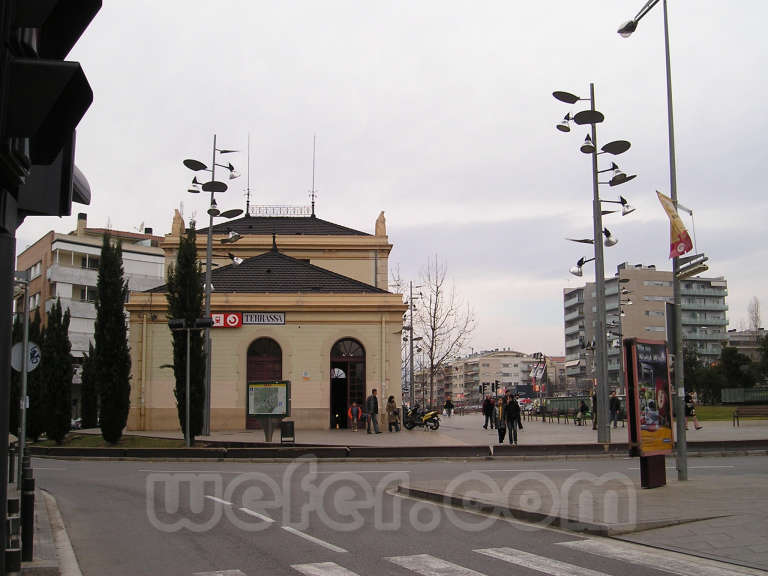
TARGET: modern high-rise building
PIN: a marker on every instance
(636, 299)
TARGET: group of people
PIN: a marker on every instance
(503, 415)
(370, 414)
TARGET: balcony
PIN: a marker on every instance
(572, 343)
(71, 275)
(720, 292)
(573, 301)
(575, 329)
(704, 321)
(77, 308)
(573, 315)
(705, 306)
(722, 337)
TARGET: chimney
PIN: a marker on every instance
(82, 223)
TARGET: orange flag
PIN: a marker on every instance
(679, 240)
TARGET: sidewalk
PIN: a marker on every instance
(724, 518)
(468, 431)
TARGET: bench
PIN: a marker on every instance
(755, 411)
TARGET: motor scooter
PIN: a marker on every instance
(418, 417)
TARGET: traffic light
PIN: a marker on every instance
(43, 100)
(177, 324)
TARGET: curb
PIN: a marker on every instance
(562, 522)
(67, 561)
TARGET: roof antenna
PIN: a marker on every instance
(313, 192)
(274, 242)
(248, 185)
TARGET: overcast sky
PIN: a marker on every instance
(440, 113)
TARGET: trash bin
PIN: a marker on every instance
(286, 432)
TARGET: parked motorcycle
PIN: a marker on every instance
(418, 417)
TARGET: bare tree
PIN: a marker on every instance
(443, 321)
(753, 311)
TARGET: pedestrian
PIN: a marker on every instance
(500, 416)
(614, 405)
(355, 414)
(448, 407)
(488, 407)
(690, 411)
(372, 412)
(513, 419)
(393, 415)
(594, 410)
(583, 409)
(520, 412)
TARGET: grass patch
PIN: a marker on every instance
(79, 440)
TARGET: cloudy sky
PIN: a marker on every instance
(440, 113)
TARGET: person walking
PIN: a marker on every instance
(355, 414)
(594, 410)
(614, 405)
(690, 411)
(448, 407)
(582, 414)
(500, 416)
(513, 419)
(372, 412)
(488, 408)
(393, 415)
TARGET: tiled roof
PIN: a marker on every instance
(273, 272)
(265, 225)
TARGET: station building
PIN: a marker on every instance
(308, 307)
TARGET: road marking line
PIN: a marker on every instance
(366, 472)
(219, 500)
(538, 563)
(44, 468)
(317, 541)
(527, 470)
(220, 573)
(665, 562)
(691, 467)
(323, 569)
(256, 514)
(427, 565)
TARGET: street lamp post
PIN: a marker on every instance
(211, 186)
(22, 278)
(590, 146)
(677, 349)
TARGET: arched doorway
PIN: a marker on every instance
(347, 379)
(265, 364)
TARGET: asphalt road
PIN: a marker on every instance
(328, 519)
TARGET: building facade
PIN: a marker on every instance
(636, 300)
(65, 267)
(308, 309)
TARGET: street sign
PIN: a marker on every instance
(33, 360)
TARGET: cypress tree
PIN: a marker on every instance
(88, 392)
(56, 365)
(35, 387)
(185, 300)
(112, 360)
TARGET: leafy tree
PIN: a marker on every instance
(35, 385)
(56, 366)
(111, 359)
(89, 394)
(736, 368)
(185, 300)
(692, 367)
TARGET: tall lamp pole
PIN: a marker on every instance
(625, 31)
(211, 186)
(590, 146)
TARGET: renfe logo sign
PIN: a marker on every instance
(227, 320)
(237, 319)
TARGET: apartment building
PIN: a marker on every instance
(636, 299)
(66, 266)
(747, 342)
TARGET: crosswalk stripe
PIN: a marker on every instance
(427, 565)
(323, 569)
(220, 573)
(539, 563)
(665, 562)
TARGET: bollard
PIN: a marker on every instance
(26, 461)
(27, 515)
(12, 561)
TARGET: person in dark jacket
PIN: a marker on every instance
(500, 417)
(594, 410)
(614, 405)
(372, 412)
(513, 419)
(488, 407)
